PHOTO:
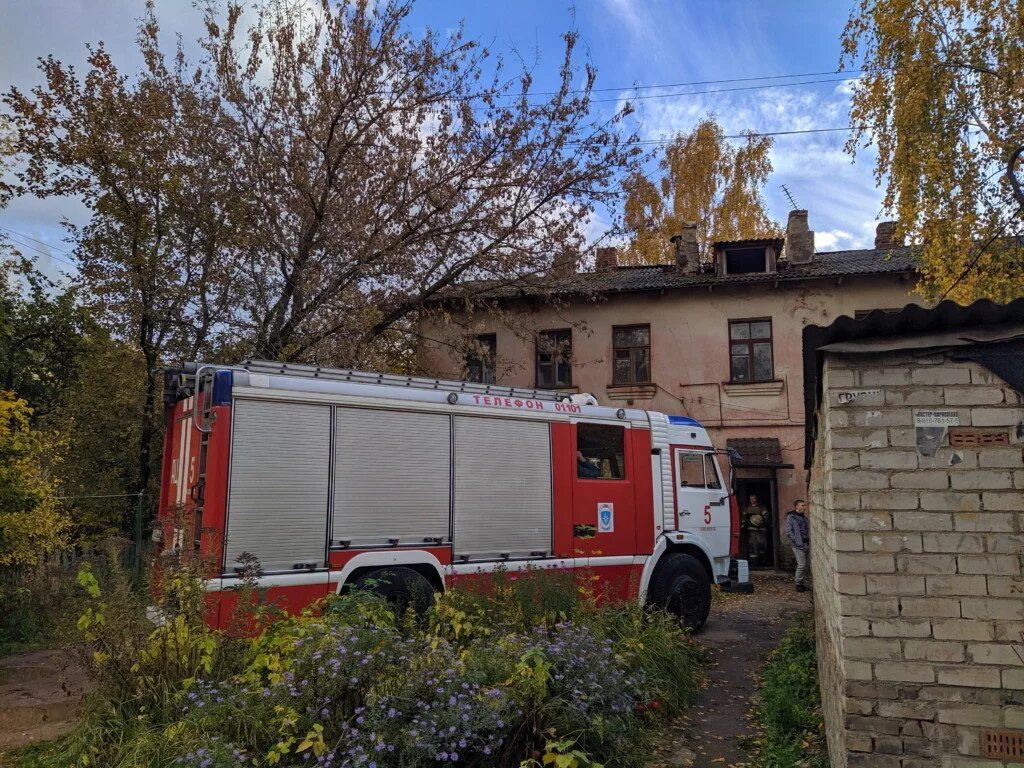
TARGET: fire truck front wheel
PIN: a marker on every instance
(681, 586)
(402, 587)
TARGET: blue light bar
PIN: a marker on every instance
(684, 421)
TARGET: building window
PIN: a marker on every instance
(554, 358)
(631, 354)
(600, 452)
(481, 362)
(750, 350)
(744, 261)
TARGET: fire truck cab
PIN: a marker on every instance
(330, 477)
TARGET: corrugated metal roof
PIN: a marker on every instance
(928, 325)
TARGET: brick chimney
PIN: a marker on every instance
(885, 236)
(799, 239)
(564, 264)
(686, 250)
(607, 259)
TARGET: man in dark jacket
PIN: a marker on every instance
(799, 534)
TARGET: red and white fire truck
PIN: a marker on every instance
(330, 477)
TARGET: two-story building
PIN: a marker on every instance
(717, 339)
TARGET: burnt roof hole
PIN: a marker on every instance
(745, 261)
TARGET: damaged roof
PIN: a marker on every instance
(832, 264)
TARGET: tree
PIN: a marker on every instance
(31, 523)
(311, 183)
(41, 335)
(941, 97)
(706, 180)
(143, 155)
(96, 422)
(382, 168)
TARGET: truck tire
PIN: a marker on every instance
(402, 587)
(681, 586)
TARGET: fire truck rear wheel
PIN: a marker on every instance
(402, 587)
(681, 586)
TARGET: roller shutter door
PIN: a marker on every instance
(502, 487)
(277, 506)
(392, 476)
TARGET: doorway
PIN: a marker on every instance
(758, 545)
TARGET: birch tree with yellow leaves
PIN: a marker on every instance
(31, 523)
(707, 180)
(941, 97)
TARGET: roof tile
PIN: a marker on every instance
(659, 277)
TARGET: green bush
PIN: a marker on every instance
(789, 710)
(526, 668)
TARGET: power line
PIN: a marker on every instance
(34, 239)
(39, 250)
(643, 96)
(756, 134)
(701, 82)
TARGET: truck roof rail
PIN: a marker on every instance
(398, 380)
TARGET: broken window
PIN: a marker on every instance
(744, 261)
(481, 363)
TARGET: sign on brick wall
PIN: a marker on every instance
(931, 427)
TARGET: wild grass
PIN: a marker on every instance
(791, 733)
(522, 670)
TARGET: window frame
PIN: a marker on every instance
(484, 364)
(632, 381)
(707, 463)
(558, 357)
(749, 342)
(735, 251)
(626, 468)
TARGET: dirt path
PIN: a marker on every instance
(741, 630)
(40, 693)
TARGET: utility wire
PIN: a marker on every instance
(702, 82)
(756, 134)
(642, 96)
(33, 239)
(39, 250)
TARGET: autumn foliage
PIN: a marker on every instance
(941, 97)
(31, 523)
(705, 179)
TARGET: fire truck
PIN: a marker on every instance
(330, 478)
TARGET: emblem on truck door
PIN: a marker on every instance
(605, 517)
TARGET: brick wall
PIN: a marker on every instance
(916, 560)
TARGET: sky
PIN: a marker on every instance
(637, 46)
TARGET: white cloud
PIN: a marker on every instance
(838, 192)
(834, 240)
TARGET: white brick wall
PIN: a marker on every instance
(917, 565)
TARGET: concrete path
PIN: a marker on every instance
(742, 629)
